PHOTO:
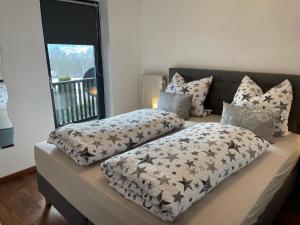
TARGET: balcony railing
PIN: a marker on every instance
(75, 101)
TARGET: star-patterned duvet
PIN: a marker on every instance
(92, 141)
(168, 175)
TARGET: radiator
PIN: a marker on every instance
(150, 87)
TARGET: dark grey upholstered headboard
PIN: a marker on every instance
(225, 84)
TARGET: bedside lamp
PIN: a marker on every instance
(154, 102)
(6, 128)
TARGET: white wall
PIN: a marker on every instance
(122, 46)
(25, 71)
(254, 35)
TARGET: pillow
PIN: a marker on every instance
(259, 121)
(247, 90)
(278, 100)
(176, 103)
(198, 89)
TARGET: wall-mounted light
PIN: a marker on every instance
(91, 74)
(93, 91)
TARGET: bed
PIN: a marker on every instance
(92, 201)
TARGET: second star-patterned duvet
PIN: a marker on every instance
(168, 175)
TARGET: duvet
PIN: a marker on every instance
(92, 141)
(168, 175)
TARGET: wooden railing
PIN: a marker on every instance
(75, 101)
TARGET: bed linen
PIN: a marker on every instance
(197, 88)
(92, 195)
(95, 140)
(168, 175)
(278, 100)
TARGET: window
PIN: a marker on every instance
(72, 41)
(70, 61)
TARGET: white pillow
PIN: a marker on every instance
(278, 100)
(198, 89)
(247, 89)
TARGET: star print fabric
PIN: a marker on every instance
(247, 89)
(277, 100)
(198, 89)
(92, 141)
(168, 175)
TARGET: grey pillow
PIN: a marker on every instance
(177, 103)
(259, 121)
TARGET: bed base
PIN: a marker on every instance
(75, 217)
(270, 212)
(53, 197)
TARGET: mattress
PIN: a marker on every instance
(239, 200)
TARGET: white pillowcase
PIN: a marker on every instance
(198, 89)
(278, 100)
(247, 89)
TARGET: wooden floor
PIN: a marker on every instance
(21, 204)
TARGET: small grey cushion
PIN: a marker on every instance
(176, 103)
(259, 121)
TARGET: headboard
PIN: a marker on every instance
(225, 84)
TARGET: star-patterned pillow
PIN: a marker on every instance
(198, 89)
(247, 89)
(278, 100)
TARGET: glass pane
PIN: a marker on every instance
(73, 82)
(70, 60)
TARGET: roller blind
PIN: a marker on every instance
(69, 22)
